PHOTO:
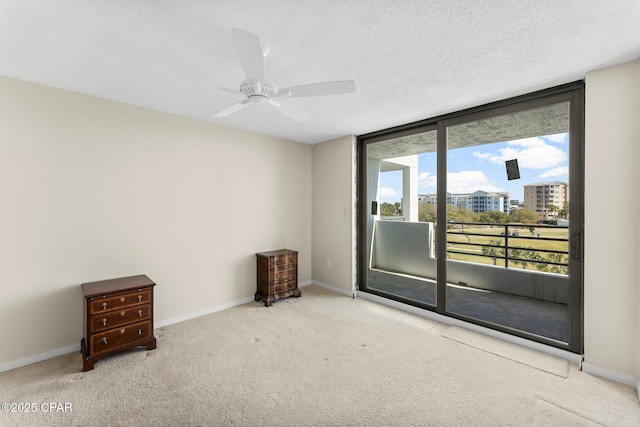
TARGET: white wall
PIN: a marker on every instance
(92, 189)
(612, 178)
(333, 213)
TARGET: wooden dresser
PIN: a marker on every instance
(277, 275)
(118, 316)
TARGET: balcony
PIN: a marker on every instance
(503, 274)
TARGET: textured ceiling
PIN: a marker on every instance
(411, 59)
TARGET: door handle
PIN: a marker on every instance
(576, 246)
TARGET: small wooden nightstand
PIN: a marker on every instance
(277, 275)
(118, 316)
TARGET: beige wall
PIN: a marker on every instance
(333, 213)
(92, 189)
(612, 190)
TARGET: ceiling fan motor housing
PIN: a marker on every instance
(256, 91)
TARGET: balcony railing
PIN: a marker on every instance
(545, 247)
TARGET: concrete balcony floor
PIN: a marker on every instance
(542, 318)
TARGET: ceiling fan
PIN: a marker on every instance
(257, 90)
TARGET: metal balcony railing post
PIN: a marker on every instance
(506, 246)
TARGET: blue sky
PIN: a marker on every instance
(482, 167)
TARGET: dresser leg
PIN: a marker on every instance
(87, 363)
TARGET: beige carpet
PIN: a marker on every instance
(320, 360)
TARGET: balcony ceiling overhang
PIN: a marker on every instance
(542, 121)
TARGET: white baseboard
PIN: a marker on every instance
(14, 364)
(158, 324)
(7, 366)
(329, 288)
(199, 313)
(608, 374)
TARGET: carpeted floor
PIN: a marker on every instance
(320, 360)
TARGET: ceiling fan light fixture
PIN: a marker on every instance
(257, 90)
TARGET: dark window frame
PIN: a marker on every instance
(572, 93)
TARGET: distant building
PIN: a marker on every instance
(478, 201)
(540, 196)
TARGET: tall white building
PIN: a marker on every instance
(478, 201)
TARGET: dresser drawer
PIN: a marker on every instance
(104, 304)
(101, 322)
(286, 285)
(284, 275)
(285, 261)
(114, 338)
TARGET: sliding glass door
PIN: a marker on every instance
(478, 215)
(401, 255)
(507, 219)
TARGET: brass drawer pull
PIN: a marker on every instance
(139, 298)
(122, 299)
(140, 331)
(140, 313)
(122, 313)
(104, 322)
(122, 330)
(104, 340)
(104, 305)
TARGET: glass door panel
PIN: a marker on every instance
(507, 195)
(401, 218)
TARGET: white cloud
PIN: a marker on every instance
(482, 155)
(528, 142)
(386, 192)
(555, 172)
(469, 181)
(458, 182)
(427, 181)
(532, 153)
(559, 138)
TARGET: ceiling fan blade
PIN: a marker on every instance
(291, 111)
(318, 89)
(250, 53)
(227, 111)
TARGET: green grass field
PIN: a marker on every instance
(493, 234)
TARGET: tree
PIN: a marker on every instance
(525, 216)
(524, 255)
(564, 210)
(427, 212)
(388, 209)
(553, 210)
(554, 268)
(494, 217)
(494, 252)
(462, 214)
